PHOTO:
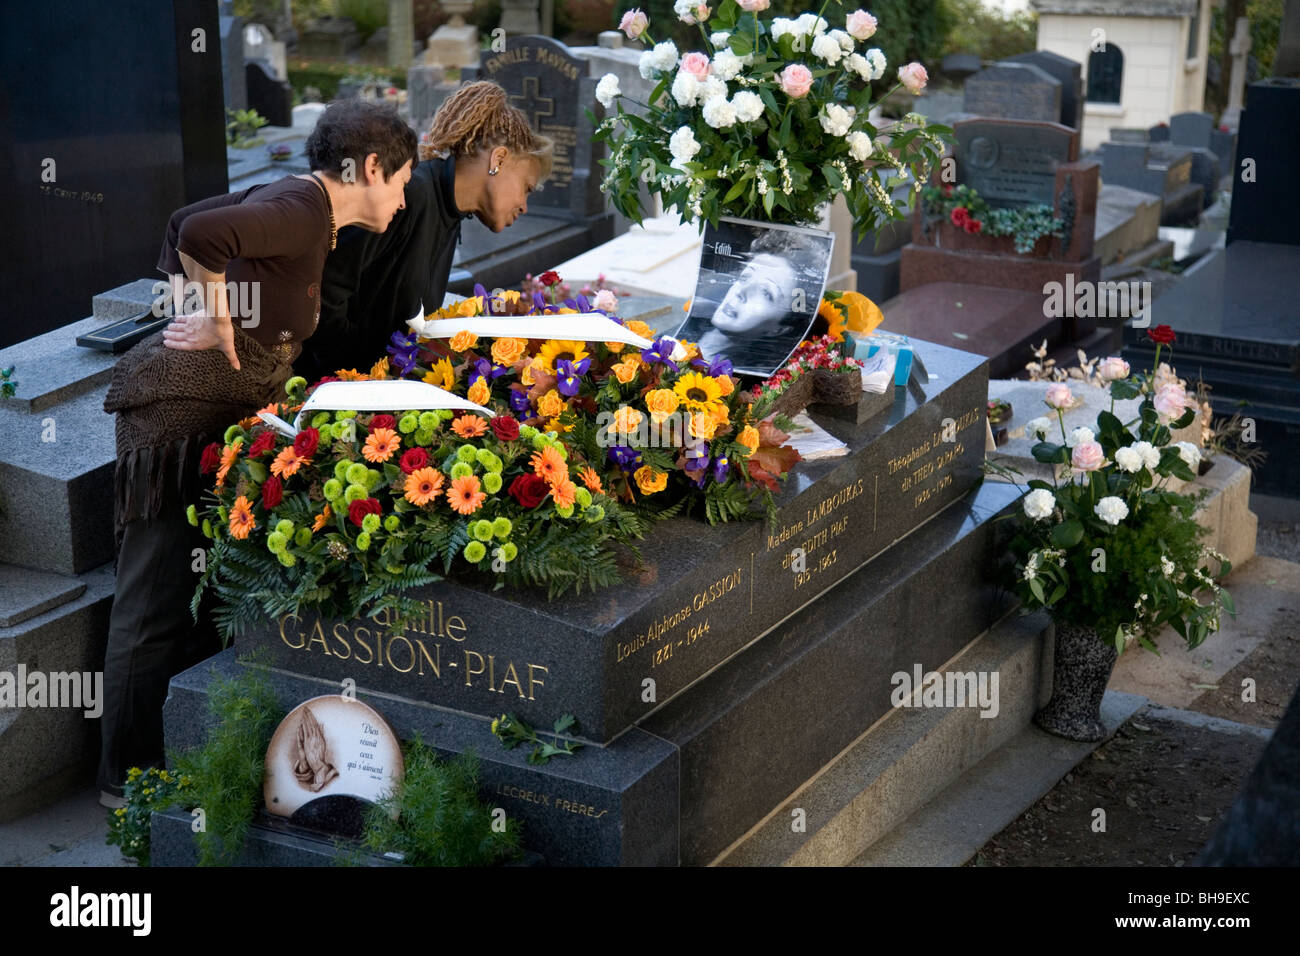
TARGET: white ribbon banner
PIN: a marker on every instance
(575, 327)
(393, 395)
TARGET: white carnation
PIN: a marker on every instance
(825, 48)
(719, 39)
(1149, 452)
(810, 23)
(1111, 510)
(1039, 427)
(726, 65)
(685, 10)
(877, 60)
(748, 106)
(711, 87)
(647, 65)
(607, 90)
(780, 27)
(664, 55)
(859, 65)
(836, 119)
(719, 113)
(683, 145)
(686, 88)
(861, 147)
(843, 39)
(1081, 435)
(1190, 454)
(1039, 504)
(1126, 459)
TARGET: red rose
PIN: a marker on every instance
(960, 215)
(210, 459)
(383, 421)
(1161, 335)
(505, 428)
(947, 190)
(529, 490)
(549, 278)
(362, 507)
(304, 446)
(413, 459)
(972, 226)
(261, 444)
(272, 492)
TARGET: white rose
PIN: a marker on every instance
(664, 55)
(683, 145)
(1113, 367)
(1039, 427)
(1190, 454)
(685, 10)
(1170, 402)
(878, 63)
(826, 48)
(726, 65)
(748, 106)
(1126, 459)
(1111, 510)
(1080, 435)
(1039, 504)
(719, 113)
(719, 39)
(861, 147)
(859, 65)
(607, 90)
(686, 88)
(1149, 452)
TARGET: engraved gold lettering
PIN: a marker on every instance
(342, 640)
(393, 639)
(533, 682)
(285, 637)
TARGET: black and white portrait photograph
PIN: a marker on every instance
(757, 293)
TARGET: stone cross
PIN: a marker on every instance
(1239, 48)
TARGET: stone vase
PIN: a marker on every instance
(1081, 670)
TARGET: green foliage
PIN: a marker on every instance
(513, 732)
(368, 15)
(1265, 32)
(8, 385)
(989, 34)
(226, 771)
(326, 76)
(242, 127)
(145, 792)
(1026, 224)
(441, 820)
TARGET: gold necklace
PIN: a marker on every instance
(334, 232)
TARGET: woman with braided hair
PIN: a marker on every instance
(482, 159)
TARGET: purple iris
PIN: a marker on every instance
(485, 369)
(720, 366)
(519, 400)
(403, 348)
(629, 459)
(568, 375)
(539, 301)
(697, 456)
(480, 291)
(661, 352)
(721, 468)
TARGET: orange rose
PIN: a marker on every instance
(749, 438)
(550, 405)
(462, 340)
(703, 425)
(726, 384)
(508, 351)
(662, 402)
(649, 480)
(637, 327)
(624, 372)
(479, 392)
(614, 346)
(626, 419)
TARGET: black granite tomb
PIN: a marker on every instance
(1265, 203)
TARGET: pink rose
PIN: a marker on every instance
(606, 301)
(1113, 368)
(753, 6)
(860, 24)
(913, 76)
(1087, 456)
(634, 23)
(697, 65)
(1059, 395)
(796, 81)
(1170, 402)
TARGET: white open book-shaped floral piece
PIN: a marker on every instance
(574, 327)
(394, 395)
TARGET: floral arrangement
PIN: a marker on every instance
(967, 210)
(769, 120)
(144, 791)
(821, 354)
(1107, 544)
(587, 444)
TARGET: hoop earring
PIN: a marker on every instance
(494, 171)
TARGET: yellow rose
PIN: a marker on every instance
(649, 480)
(614, 347)
(508, 351)
(468, 307)
(727, 385)
(637, 327)
(479, 392)
(703, 425)
(626, 420)
(749, 438)
(462, 340)
(662, 402)
(692, 350)
(624, 372)
(526, 376)
(550, 404)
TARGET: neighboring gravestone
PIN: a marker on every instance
(261, 44)
(1070, 74)
(1161, 169)
(98, 151)
(426, 89)
(1265, 203)
(959, 66)
(1012, 163)
(1197, 130)
(232, 58)
(553, 89)
(270, 96)
(1014, 91)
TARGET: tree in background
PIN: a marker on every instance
(1265, 31)
(989, 34)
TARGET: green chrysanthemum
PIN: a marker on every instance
(332, 489)
(357, 473)
(408, 423)
(501, 528)
(467, 454)
(355, 493)
(392, 524)
(492, 482)
(302, 537)
(475, 552)
(192, 515)
(363, 541)
(370, 524)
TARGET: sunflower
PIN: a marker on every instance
(441, 374)
(423, 485)
(228, 456)
(831, 313)
(287, 463)
(380, 445)
(549, 465)
(561, 349)
(698, 393)
(469, 426)
(591, 479)
(464, 495)
(241, 518)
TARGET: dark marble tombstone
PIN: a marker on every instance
(1161, 169)
(1013, 163)
(99, 150)
(1191, 129)
(271, 97)
(1070, 74)
(959, 66)
(1265, 203)
(233, 86)
(1014, 91)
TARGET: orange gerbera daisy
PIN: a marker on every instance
(549, 465)
(241, 518)
(253, 419)
(469, 426)
(564, 492)
(351, 375)
(321, 518)
(380, 445)
(591, 479)
(287, 463)
(423, 485)
(464, 495)
(228, 456)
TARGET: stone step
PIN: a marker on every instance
(906, 758)
(50, 369)
(25, 593)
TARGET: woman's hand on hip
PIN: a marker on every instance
(198, 331)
